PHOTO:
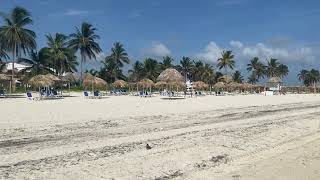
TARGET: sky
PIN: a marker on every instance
(287, 30)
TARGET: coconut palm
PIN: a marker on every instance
(166, 62)
(111, 71)
(38, 64)
(208, 75)
(197, 71)
(237, 77)
(118, 55)
(185, 66)
(226, 61)
(136, 73)
(17, 37)
(303, 76)
(3, 55)
(272, 67)
(61, 58)
(84, 40)
(257, 68)
(252, 79)
(151, 70)
(282, 71)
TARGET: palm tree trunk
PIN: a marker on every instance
(12, 72)
(81, 68)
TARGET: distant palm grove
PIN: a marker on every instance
(64, 53)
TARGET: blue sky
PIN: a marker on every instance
(287, 29)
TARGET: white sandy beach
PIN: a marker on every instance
(228, 137)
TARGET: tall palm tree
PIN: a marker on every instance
(252, 78)
(136, 73)
(185, 66)
(3, 55)
(208, 75)
(119, 55)
(237, 77)
(60, 57)
(257, 68)
(303, 76)
(166, 62)
(314, 76)
(272, 67)
(151, 70)
(198, 70)
(38, 64)
(226, 61)
(17, 37)
(282, 70)
(84, 40)
(111, 71)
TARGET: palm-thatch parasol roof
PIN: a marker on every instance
(160, 84)
(226, 79)
(275, 80)
(41, 81)
(234, 85)
(120, 84)
(146, 83)
(53, 77)
(219, 85)
(170, 75)
(70, 78)
(4, 77)
(200, 85)
(90, 80)
(247, 86)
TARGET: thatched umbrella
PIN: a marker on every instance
(120, 84)
(90, 80)
(200, 85)
(160, 84)
(70, 78)
(233, 85)
(170, 75)
(4, 77)
(275, 80)
(226, 79)
(53, 77)
(219, 85)
(41, 81)
(146, 83)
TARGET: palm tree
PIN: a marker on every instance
(237, 77)
(226, 61)
(3, 55)
(111, 71)
(151, 70)
(252, 79)
(84, 40)
(272, 67)
(208, 75)
(119, 55)
(197, 70)
(303, 76)
(61, 58)
(166, 62)
(257, 68)
(282, 70)
(38, 64)
(185, 66)
(314, 76)
(16, 36)
(136, 73)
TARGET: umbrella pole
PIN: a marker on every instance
(69, 90)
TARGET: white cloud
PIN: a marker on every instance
(158, 50)
(285, 54)
(211, 53)
(236, 44)
(75, 12)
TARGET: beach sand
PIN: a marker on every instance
(210, 137)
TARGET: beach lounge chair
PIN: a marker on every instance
(30, 97)
(2, 93)
(56, 95)
(96, 94)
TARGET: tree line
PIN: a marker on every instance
(60, 56)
